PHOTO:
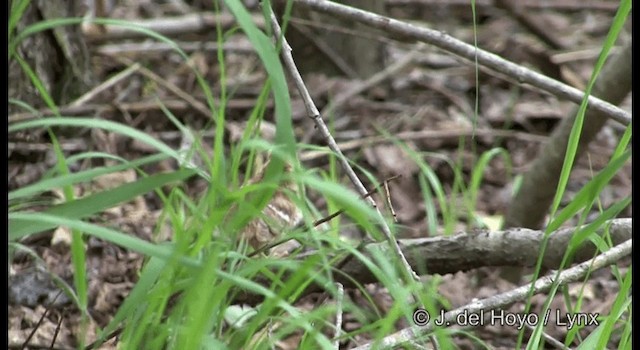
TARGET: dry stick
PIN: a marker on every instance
(314, 114)
(105, 85)
(544, 284)
(469, 52)
(56, 332)
(388, 193)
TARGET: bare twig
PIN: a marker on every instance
(314, 114)
(39, 323)
(333, 215)
(338, 325)
(574, 274)
(388, 195)
(105, 85)
(531, 203)
(469, 52)
(315, 224)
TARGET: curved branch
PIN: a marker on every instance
(469, 52)
(467, 251)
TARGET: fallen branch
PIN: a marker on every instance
(467, 251)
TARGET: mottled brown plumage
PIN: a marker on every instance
(278, 216)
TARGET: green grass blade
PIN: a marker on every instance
(95, 203)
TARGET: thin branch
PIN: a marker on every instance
(469, 52)
(105, 85)
(315, 224)
(314, 114)
(333, 215)
(388, 195)
(544, 284)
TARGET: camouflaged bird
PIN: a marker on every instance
(279, 216)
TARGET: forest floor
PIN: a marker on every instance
(429, 105)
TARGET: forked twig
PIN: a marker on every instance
(388, 193)
(316, 223)
(333, 215)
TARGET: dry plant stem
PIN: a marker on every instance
(338, 325)
(574, 274)
(469, 52)
(314, 114)
(530, 205)
(105, 85)
(388, 195)
(315, 224)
